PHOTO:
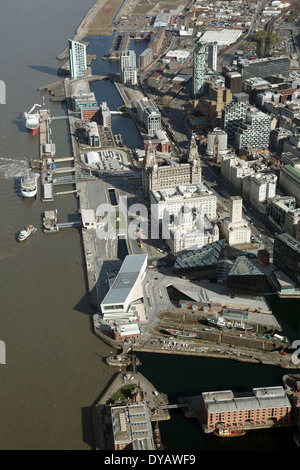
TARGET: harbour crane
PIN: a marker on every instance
(33, 107)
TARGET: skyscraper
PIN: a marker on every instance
(234, 114)
(77, 57)
(212, 55)
(128, 67)
(199, 69)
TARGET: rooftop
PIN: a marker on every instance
(125, 279)
(243, 267)
(222, 37)
(182, 192)
(131, 423)
(289, 240)
(270, 397)
(205, 256)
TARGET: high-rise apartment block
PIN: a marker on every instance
(106, 116)
(127, 59)
(199, 69)
(212, 55)
(234, 114)
(128, 67)
(77, 58)
(254, 131)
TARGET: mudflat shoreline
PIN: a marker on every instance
(84, 26)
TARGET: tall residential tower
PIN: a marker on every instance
(77, 57)
(128, 67)
(212, 55)
(199, 69)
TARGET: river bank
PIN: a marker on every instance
(152, 344)
(96, 22)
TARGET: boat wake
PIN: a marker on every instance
(11, 168)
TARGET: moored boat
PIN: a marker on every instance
(29, 185)
(184, 334)
(32, 120)
(221, 322)
(26, 233)
(157, 437)
(220, 432)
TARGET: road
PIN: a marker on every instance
(260, 225)
(228, 55)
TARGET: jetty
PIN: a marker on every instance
(52, 225)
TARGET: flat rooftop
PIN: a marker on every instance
(125, 279)
(182, 192)
(223, 37)
(289, 241)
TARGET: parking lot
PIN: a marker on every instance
(106, 160)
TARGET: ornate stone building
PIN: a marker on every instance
(159, 173)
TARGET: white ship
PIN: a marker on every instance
(221, 322)
(29, 185)
(32, 120)
(24, 234)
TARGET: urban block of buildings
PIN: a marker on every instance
(227, 409)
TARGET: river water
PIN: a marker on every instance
(55, 369)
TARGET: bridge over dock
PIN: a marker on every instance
(174, 406)
(72, 179)
(72, 224)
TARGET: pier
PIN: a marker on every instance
(48, 161)
(51, 224)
